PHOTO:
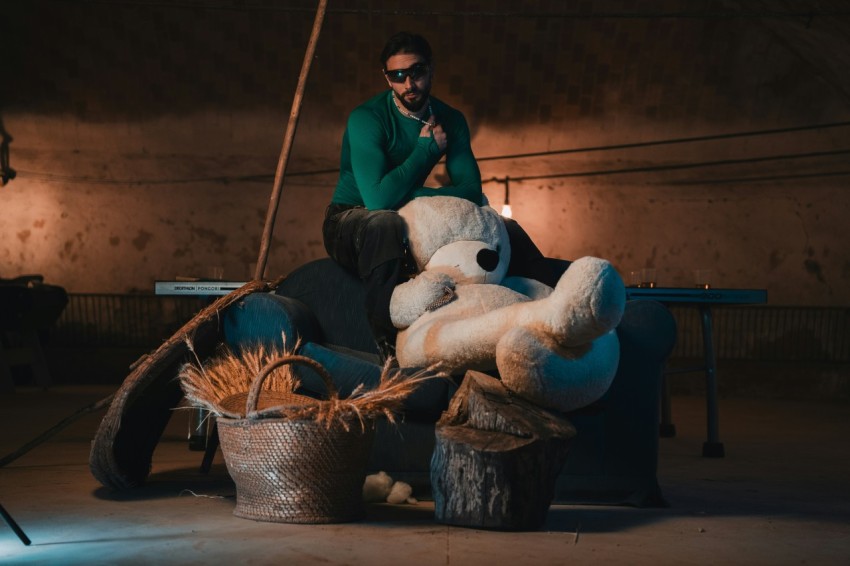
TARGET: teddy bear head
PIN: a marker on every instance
(457, 237)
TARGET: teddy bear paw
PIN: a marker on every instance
(427, 292)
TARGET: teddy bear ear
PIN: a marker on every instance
(433, 222)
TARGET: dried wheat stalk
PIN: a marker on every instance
(227, 374)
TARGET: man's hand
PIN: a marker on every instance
(437, 131)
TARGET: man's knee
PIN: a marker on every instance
(380, 239)
(383, 229)
(385, 222)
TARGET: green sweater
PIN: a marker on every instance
(384, 161)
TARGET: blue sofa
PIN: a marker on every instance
(612, 459)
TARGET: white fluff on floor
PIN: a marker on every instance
(377, 487)
(400, 493)
(381, 487)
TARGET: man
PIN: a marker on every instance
(391, 144)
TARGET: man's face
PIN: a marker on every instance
(411, 93)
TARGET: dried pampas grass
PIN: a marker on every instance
(224, 381)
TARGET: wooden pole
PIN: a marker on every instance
(291, 126)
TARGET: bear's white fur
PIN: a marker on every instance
(555, 347)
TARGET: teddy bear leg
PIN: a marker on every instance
(535, 367)
(587, 302)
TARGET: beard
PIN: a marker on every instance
(416, 104)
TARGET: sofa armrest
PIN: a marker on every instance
(647, 331)
(614, 457)
(268, 319)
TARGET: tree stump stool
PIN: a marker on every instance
(496, 458)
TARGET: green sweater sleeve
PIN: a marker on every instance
(460, 165)
(381, 185)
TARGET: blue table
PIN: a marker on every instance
(703, 299)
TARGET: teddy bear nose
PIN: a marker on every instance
(487, 259)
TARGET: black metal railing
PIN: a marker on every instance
(764, 333)
(113, 320)
(768, 333)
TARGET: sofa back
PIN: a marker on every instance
(336, 299)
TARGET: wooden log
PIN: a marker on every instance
(496, 458)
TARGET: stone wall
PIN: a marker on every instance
(679, 135)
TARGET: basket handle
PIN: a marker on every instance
(257, 385)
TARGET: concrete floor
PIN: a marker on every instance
(780, 496)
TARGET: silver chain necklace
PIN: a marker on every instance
(417, 118)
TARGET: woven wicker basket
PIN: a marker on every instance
(295, 471)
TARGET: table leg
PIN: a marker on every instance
(7, 382)
(712, 448)
(199, 428)
(37, 360)
(209, 453)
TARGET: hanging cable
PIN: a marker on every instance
(634, 145)
(805, 15)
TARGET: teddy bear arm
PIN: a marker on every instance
(412, 299)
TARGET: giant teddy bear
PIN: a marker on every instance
(555, 347)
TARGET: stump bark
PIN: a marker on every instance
(496, 458)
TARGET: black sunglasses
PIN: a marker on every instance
(415, 72)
